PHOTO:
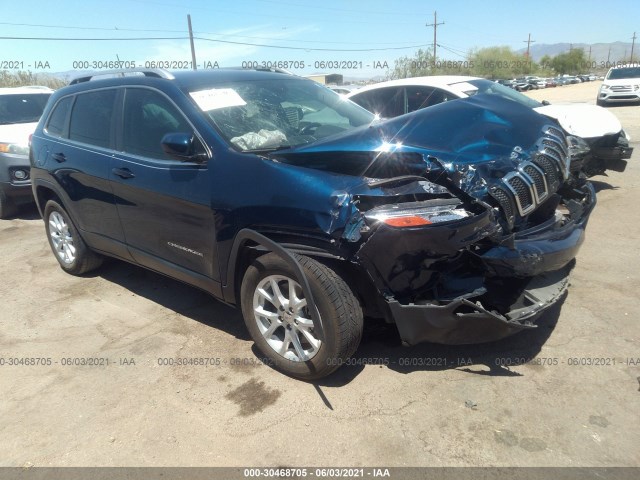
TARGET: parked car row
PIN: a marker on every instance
(523, 84)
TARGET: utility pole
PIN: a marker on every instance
(589, 54)
(529, 42)
(633, 43)
(435, 32)
(608, 56)
(193, 49)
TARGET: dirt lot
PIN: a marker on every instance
(576, 404)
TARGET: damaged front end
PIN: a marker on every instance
(463, 236)
(598, 142)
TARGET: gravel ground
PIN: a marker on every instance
(454, 406)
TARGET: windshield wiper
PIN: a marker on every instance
(267, 149)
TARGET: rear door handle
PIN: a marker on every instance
(123, 173)
(59, 157)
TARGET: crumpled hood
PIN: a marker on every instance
(470, 143)
(467, 131)
(583, 120)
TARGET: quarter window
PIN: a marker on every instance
(91, 118)
(149, 116)
(58, 117)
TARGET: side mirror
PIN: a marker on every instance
(546, 102)
(182, 146)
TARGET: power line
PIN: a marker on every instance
(453, 51)
(225, 34)
(282, 47)
(310, 49)
(71, 39)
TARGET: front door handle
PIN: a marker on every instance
(123, 173)
(59, 157)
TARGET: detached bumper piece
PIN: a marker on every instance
(614, 158)
(466, 321)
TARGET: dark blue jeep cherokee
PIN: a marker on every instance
(458, 223)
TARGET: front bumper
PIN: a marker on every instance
(626, 96)
(463, 321)
(492, 291)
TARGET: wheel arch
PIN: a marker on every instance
(247, 246)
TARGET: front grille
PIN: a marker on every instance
(621, 88)
(523, 192)
(504, 200)
(539, 182)
(551, 172)
(532, 183)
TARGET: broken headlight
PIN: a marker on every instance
(418, 214)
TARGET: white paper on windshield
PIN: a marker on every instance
(215, 98)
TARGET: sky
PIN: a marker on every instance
(358, 38)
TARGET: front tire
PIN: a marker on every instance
(279, 321)
(67, 245)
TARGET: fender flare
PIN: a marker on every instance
(248, 234)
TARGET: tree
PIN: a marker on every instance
(500, 62)
(421, 64)
(571, 62)
(22, 78)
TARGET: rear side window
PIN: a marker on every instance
(58, 117)
(149, 116)
(91, 118)
(386, 102)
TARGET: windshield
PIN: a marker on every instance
(276, 114)
(493, 88)
(619, 73)
(22, 108)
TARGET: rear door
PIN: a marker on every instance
(164, 204)
(80, 148)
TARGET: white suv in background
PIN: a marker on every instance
(621, 85)
(20, 110)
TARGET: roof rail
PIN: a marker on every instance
(273, 69)
(261, 69)
(147, 72)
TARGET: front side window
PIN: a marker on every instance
(91, 118)
(22, 108)
(149, 116)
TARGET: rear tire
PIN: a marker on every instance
(280, 323)
(67, 245)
